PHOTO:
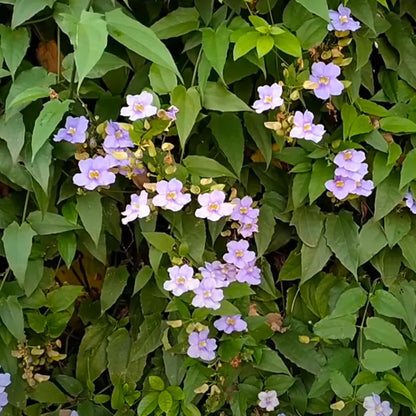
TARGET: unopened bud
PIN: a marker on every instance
(294, 95)
(170, 170)
(175, 324)
(304, 339)
(151, 187)
(338, 405)
(166, 147)
(326, 54)
(195, 189)
(309, 85)
(202, 389)
(206, 181)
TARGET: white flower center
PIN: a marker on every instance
(202, 344)
(180, 280)
(239, 253)
(347, 156)
(171, 195)
(213, 207)
(207, 294)
(268, 99)
(138, 107)
(243, 210)
(72, 131)
(343, 19)
(307, 127)
(230, 321)
(339, 184)
(324, 80)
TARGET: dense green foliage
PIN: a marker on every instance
(85, 321)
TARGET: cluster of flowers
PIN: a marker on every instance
(95, 172)
(349, 175)
(4, 382)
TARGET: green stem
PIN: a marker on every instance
(72, 84)
(6, 273)
(25, 206)
(198, 59)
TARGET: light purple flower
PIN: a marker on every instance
(181, 280)
(247, 230)
(410, 202)
(229, 272)
(207, 295)
(270, 98)
(138, 208)
(250, 274)
(375, 407)
(74, 131)
(268, 400)
(355, 176)
(238, 254)
(325, 76)
(230, 324)
(117, 137)
(95, 173)
(305, 129)
(171, 112)
(363, 187)
(74, 413)
(170, 195)
(341, 20)
(139, 106)
(341, 187)
(243, 211)
(4, 382)
(350, 160)
(214, 270)
(213, 206)
(200, 346)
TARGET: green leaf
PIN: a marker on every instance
(177, 23)
(245, 44)
(45, 124)
(385, 303)
(70, 384)
(364, 11)
(89, 43)
(369, 107)
(163, 242)
(380, 359)
(47, 392)
(407, 244)
(396, 226)
(67, 247)
(266, 224)
(229, 134)
(50, 223)
(381, 169)
(29, 86)
(312, 32)
(288, 43)
(165, 401)
(408, 172)
(321, 172)
(260, 134)
(91, 213)
(62, 298)
(12, 316)
(394, 152)
(342, 237)
(205, 9)
(270, 361)
(237, 290)
(162, 80)
(388, 195)
(24, 10)
(382, 332)
(139, 38)
(314, 259)
(189, 104)
(215, 46)
(143, 276)
(206, 167)
(17, 241)
(300, 188)
(318, 7)
(12, 132)
(340, 385)
(361, 124)
(194, 236)
(336, 327)
(309, 223)
(372, 240)
(395, 124)
(264, 45)
(14, 44)
(115, 281)
(156, 383)
(218, 98)
(350, 302)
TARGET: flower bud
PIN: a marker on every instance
(206, 181)
(170, 170)
(166, 147)
(304, 339)
(195, 189)
(175, 324)
(338, 405)
(294, 95)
